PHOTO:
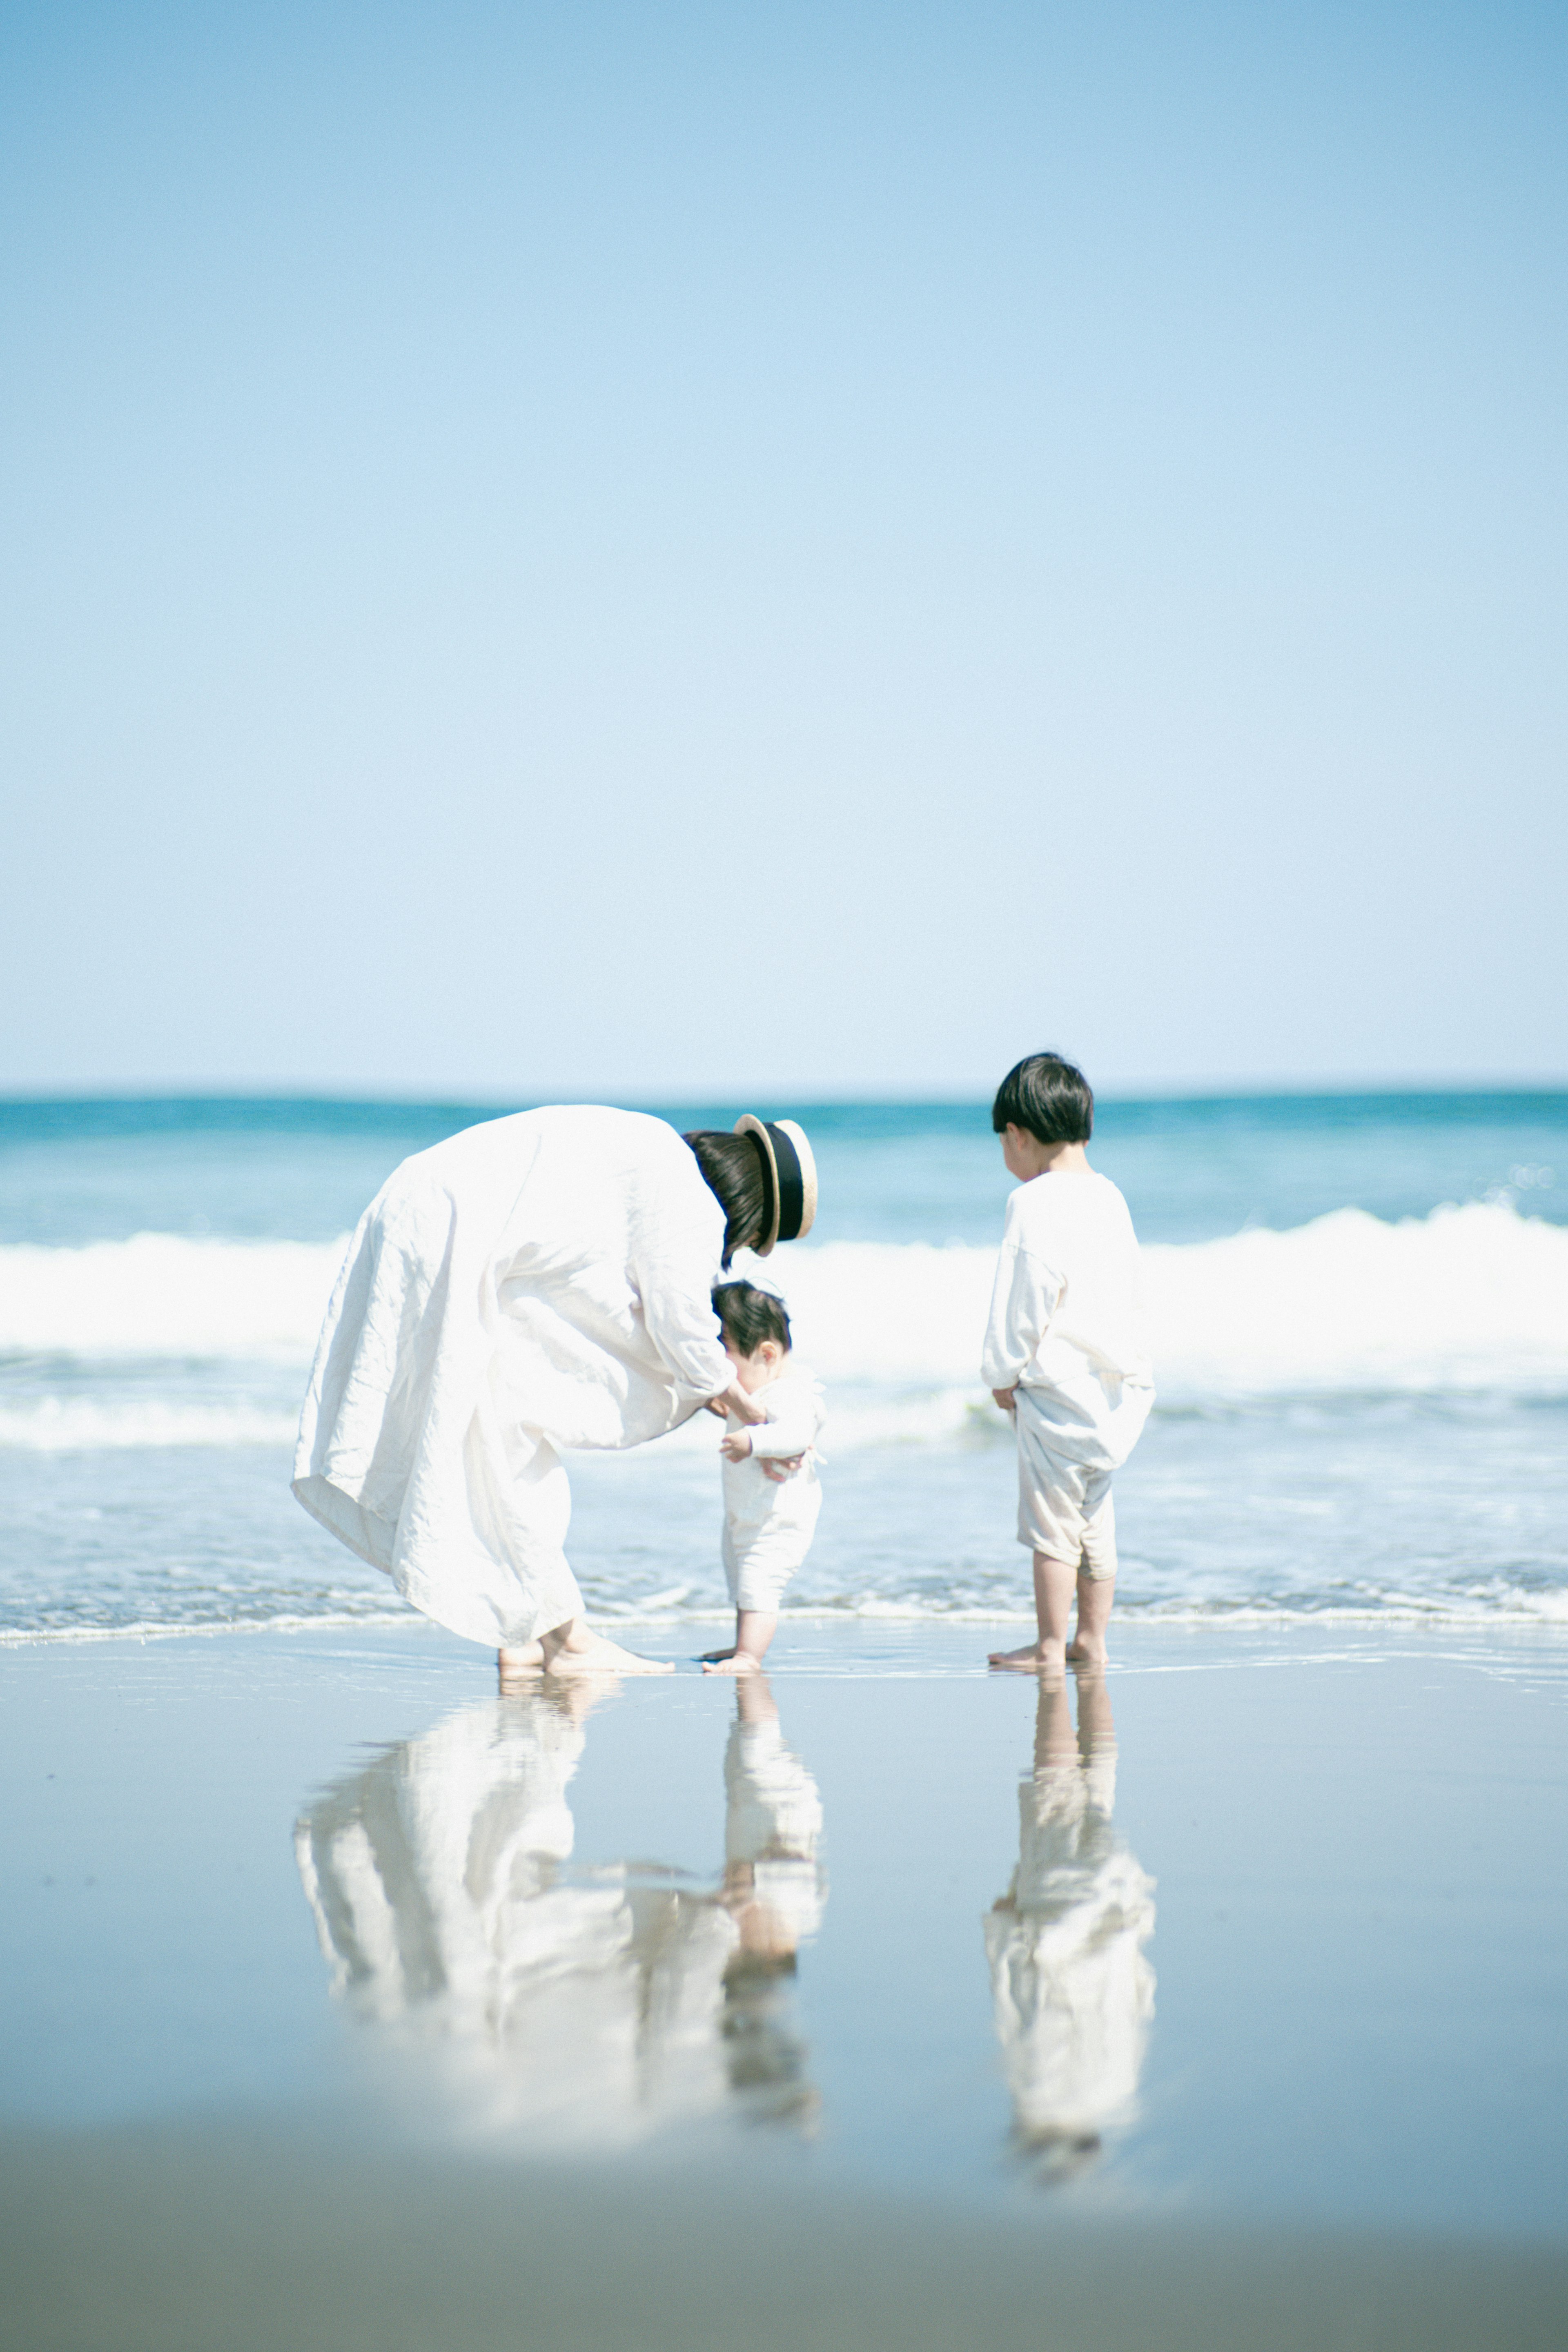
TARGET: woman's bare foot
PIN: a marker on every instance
(1038, 1658)
(519, 1661)
(573, 1649)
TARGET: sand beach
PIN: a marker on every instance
(892, 2002)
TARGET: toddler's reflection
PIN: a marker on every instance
(772, 1893)
(1072, 1989)
(553, 1997)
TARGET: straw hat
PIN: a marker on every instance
(791, 1202)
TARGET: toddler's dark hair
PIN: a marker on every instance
(750, 1315)
(1048, 1096)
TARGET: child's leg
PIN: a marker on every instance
(755, 1629)
(1051, 1523)
(757, 1581)
(1096, 1580)
(709, 1659)
(1095, 1595)
(1054, 1580)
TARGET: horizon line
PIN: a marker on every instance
(1196, 1090)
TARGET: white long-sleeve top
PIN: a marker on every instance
(1066, 1323)
(535, 1282)
(796, 1414)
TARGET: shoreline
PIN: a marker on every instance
(1551, 1620)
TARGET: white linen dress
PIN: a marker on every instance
(537, 1282)
(520, 1992)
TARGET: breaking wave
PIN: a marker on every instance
(1468, 1298)
(54, 1425)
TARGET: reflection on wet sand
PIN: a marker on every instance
(555, 1999)
(1072, 1989)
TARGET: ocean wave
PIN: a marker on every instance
(1468, 1298)
(78, 1425)
(374, 1618)
(54, 1425)
(163, 1295)
(1471, 1297)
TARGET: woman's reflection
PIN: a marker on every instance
(587, 2000)
(1072, 1989)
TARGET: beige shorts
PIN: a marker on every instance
(1064, 1510)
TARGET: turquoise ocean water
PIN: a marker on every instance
(1358, 1307)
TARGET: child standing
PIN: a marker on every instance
(770, 1508)
(1064, 1353)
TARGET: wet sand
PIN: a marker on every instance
(890, 2003)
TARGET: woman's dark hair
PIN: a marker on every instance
(750, 1315)
(1048, 1096)
(734, 1169)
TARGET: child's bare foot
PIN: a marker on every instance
(1037, 1658)
(755, 1629)
(1086, 1653)
(574, 1650)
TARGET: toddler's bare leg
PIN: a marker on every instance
(755, 1629)
(719, 1657)
(1053, 1604)
(1095, 1595)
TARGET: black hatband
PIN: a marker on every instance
(767, 1166)
(792, 1183)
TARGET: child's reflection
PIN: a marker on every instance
(1072, 1989)
(589, 2001)
(774, 1894)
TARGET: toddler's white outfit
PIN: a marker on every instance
(768, 1522)
(772, 1821)
(1065, 1330)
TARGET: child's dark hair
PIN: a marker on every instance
(750, 1315)
(1048, 1096)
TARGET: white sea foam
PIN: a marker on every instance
(53, 1425)
(1521, 1611)
(1472, 1297)
(163, 1295)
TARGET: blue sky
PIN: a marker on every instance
(651, 550)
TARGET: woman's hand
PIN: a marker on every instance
(746, 1409)
(1007, 1398)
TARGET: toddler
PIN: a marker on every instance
(770, 1510)
(1063, 1353)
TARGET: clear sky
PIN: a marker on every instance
(651, 550)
